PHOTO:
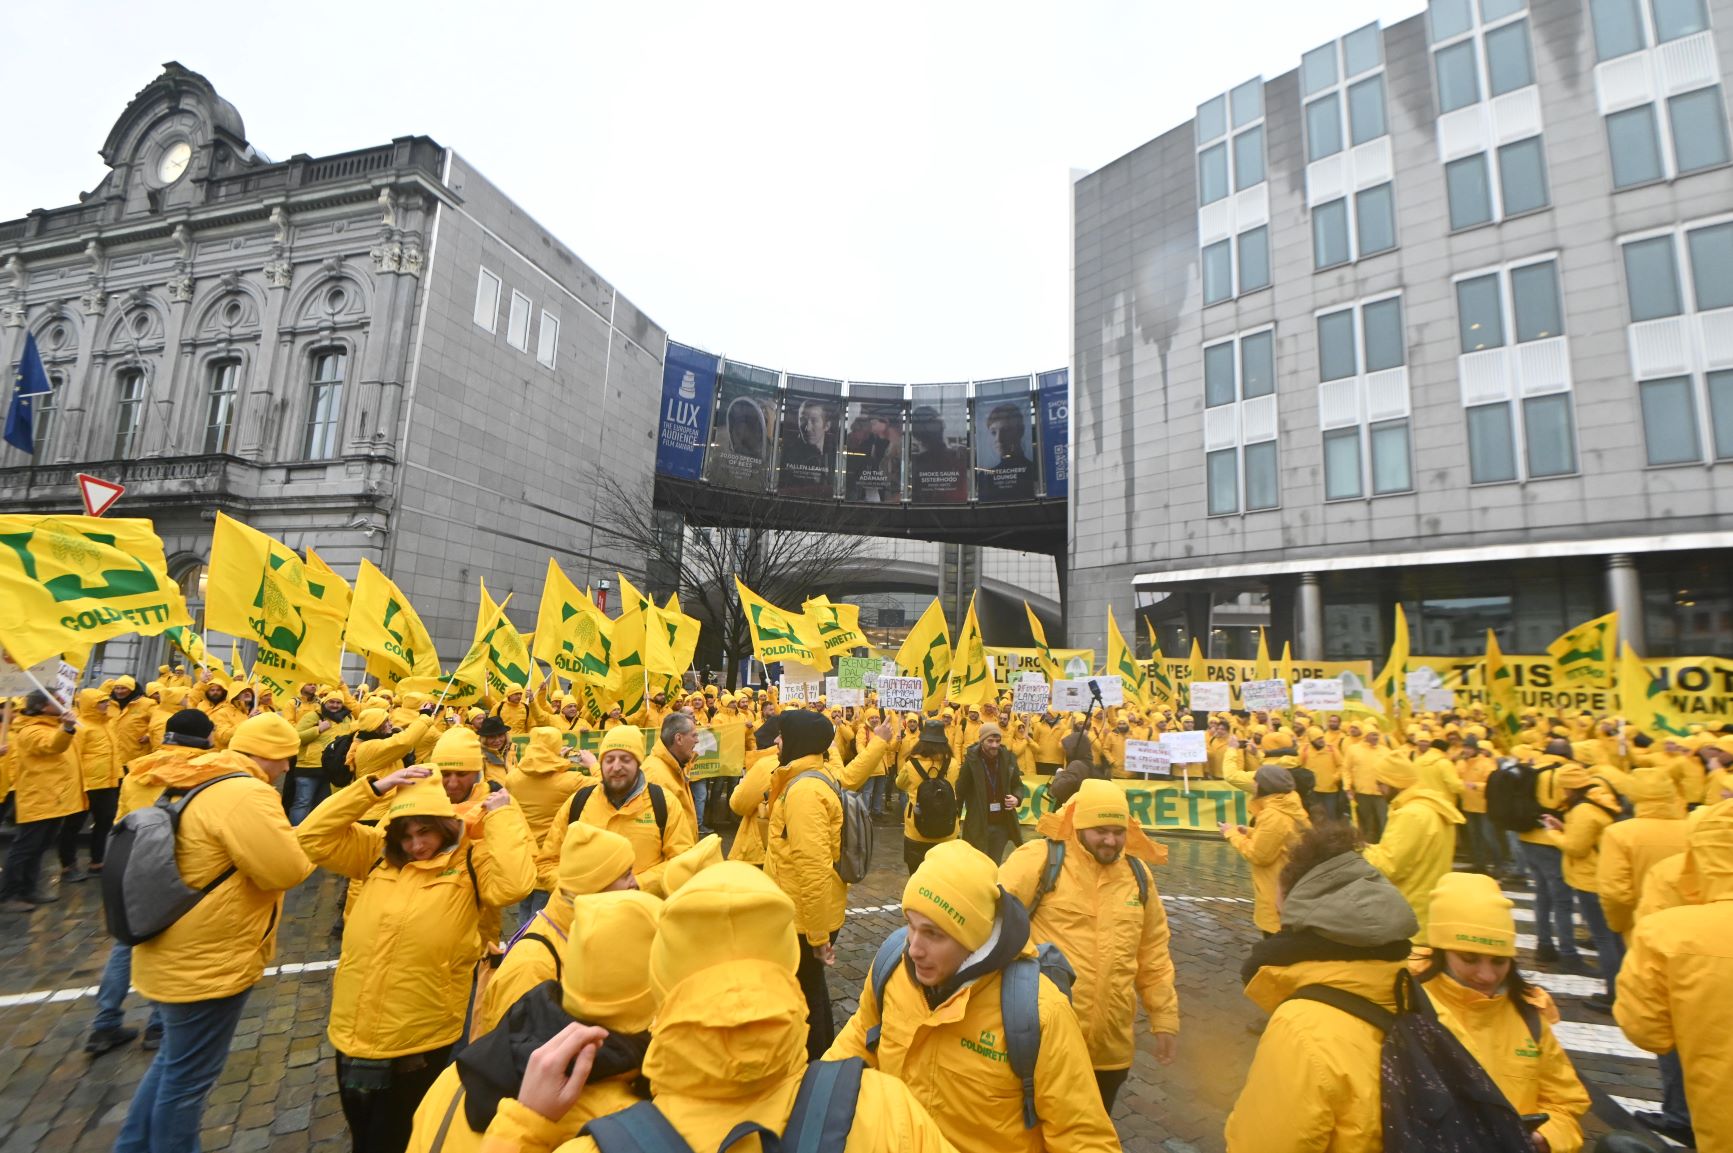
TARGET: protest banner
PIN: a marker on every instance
(1323, 693)
(900, 694)
(1071, 696)
(1186, 748)
(1264, 696)
(852, 672)
(1030, 695)
(1210, 697)
(1147, 759)
(1161, 806)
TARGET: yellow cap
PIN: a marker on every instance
(1275, 739)
(424, 798)
(684, 866)
(458, 750)
(1100, 803)
(957, 886)
(604, 979)
(1470, 915)
(266, 735)
(370, 719)
(591, 859)
(1397, 772)
(725, 915)
(624, 739)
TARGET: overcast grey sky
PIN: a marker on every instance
(873, 191)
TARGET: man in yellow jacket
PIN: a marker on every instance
(130, 722)
(1278, 820)
(200, 969)
(941, 1026)
(1419, 843)
(628, 803)
(48, 788)
(541, 783)
(1104, 914)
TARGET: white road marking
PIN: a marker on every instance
(1602, 1040)
(1527, 941)
(1565, 984)
(78, 992)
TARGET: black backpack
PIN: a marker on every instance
(935, 802)
(1513, 796)
(820, 1121)
(1436, 1098)
(333, 761)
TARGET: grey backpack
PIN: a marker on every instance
(142, 890)
(857, 828)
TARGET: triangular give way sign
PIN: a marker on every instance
(99, 495)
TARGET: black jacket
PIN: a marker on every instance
(973, 796)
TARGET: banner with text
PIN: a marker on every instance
(688, 396)
(1157, 804)
(1055, 408)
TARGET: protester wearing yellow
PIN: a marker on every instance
(929, 758)
(1502, 1020)
(1365, 759)
(750, 799)
(1112, 929)
(130, 724)
(1590, 809)
(94, 747)
(318, 727)
(1419, 841)
(514, 712)
(941, 1028)
(48, 787)
(1278, 820)
(542, 783)
(1629, 849)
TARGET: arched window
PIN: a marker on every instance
(129, 413)
(224, 386)
(325, 404)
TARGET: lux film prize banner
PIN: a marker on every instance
(688, 396)
(1159, 806)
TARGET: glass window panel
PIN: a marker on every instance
(1491, 450)
(1522, 176)
(1458, 78)
(1375, 219)
(1534, 294)
(1342, 464)
(1324, 127)
(1676, 18)
(1509, 65)
(219, 411)
(1248, 102)
(1551, 445)
(1699, 129)
(1480, 313)
(1721, 408)
(1362, 49)
(1382, 326)
(129, 415)
(1212, 119)
(1257, 365)
(1336, 345)
(1330, 234)
(1390, 468)
(1249, 158)
(1618, 27)
(1670, 421)
(1491, 10)
(1652, 279)
(1218, 374)
(1224, 482)
(1450, 18)
(1712, 266)
(1366, 110)
(1255, 259)
(1318, 68)
(1262, 488)
(1465, 181)
(1636, 149)
(1218, 271)
(1212, 174)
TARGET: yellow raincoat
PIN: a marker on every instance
(94, 742)
(1630, 849)
(542, 783)
(1280, 819)
(46, 779)
(660, 768)
(805, 835)
(908, 780)
(749, 802)
(636, 821)
(1417, 847)
(1584, 824)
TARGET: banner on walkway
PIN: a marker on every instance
(1160, 806)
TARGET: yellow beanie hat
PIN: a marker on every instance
(457, 750)
(1397, 772)
(1470, 915)
(684, 866)
(957, 886)
(1573, 777)
(1100, 803)
(591, 859)
(266, 735)
(604, 980)
(424, 798)
(624, 739)
(726, 915)
(370, 719)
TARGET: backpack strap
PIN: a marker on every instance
(559, 966)
(1020, 1006)
(579, 800)
(1353, 1004)
(179, 803)
(658, 805)
(1530, 1017)
(1049, 875)
(798, 777)
(1140, 871)
(824, 1107)
(885, 962)
(469, 863)
(640, 1129)
(445, 1122)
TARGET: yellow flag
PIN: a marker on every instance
(1584, 655)
(188, 642)
(67, 581)
(971, 679)
(721, 751)
(1501, 689)
(383, 625)
(1049, 666)
(1285, 667)
(773, 631)
(654, 651)
(626, 679)
(259, 588)
(682, 632)
(508, 658)
(1261, 670)
(1199, 667)
(572, 635)
(1160, 683)
(464, 686)
(926, 653)
(1389, 683)
(1122, 662)
(834, 627)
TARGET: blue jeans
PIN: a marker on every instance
(531, 905)
(1485, 842)
(1608, 944)
(700, 798)
(874, 791)
(309, 791)
(111, 991)
(168, 1108)
(1673, 1106)
(1552, 897)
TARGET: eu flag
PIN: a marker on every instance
(32, 382)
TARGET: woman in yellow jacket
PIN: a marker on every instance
(750, 799)
(1590, 808)
(1481, 997)
(99, 761)
(1419, 842)
(543, 780)
(1278, 820)
(413, 934)
(47, 787)
(929, 758)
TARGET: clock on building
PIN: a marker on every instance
(174, 161)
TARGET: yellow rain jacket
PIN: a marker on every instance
(1439, 774)
(805, 835)
(46, 779)
(1475, 773)
(1047, 740)
(147, 776)
(526, 964)
(131, 729)
(225, 719)
(1417, 847)
(94, 742)
(1280, 819)
(516, 717)
(542, 783)
(660, 768)
(1117, 944)
(750, 803)
(1673, 985)
(313, 741)
(1314, 1081)
(413, 933)
(1630, 849)
(222, 945)
(1584, 824)
(636, 821)
(908, 780)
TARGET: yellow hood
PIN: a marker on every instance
(176, 768)
(1374, 980)
(90, 706)
(545, 753)
(729, 1031)
(1711, 849)
(1431, 799)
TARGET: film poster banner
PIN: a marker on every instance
(1692, 690)
(745, 419)
(688, 396)
(1159, 806)
(1356, 676)
(873, 452)
(939, 448)
(1004, 450)
(1054, 403)
(811, 433)
(1010, 665)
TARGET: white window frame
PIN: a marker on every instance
(134, 410)
(1236, 251)
(1353, 168)
(1692, 343)
(1226, 425)
(1517, 370)
(1653, 75)
(517, 325)
(216, 371)
(488, 288)
(1239, 212)
(1365, 399)
(548, 340)
(1491, 122)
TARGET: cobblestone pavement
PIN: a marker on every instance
(279, 1089)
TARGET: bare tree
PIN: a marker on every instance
(784, 565)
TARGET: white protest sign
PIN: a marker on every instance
(1323, 693)
(1438, 700)
(1211, 697)
(1264, 696)
(1147, 759)
(1070, 696)
(900, 694)
(16, 682)
(66, 682)
(791, 692)
(1421, 681)
(1030, 696)
(836, 696)
(1112, 690)
(1186, 748)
